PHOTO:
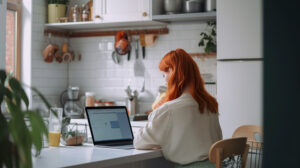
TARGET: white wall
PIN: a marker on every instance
(239, 82)
(49, 78)
(97, 72)
(2, 33)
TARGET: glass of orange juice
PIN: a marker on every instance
(55, 123)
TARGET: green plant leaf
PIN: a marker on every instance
(38, 129)
(8, 76)
(5, 153)
(2, 89)
(16, 86)
(213, 32)
(201, 43)
(7, 93)
(44, 100)
(20, 135)
(3, 129)
(2, 76)
(42, 97)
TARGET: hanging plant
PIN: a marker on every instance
(209, 39)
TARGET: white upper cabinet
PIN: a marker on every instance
(239, 29)
(121, 10)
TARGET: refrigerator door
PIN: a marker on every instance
(239, 89)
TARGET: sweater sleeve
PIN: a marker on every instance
(152, 135)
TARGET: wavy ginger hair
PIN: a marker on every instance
(185, 73)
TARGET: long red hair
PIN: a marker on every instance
(185, 73)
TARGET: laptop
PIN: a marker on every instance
(110, 126)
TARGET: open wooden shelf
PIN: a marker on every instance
(104, 33)
(91, 25)
(185, 17)
(212, 54)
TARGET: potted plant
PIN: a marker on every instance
(56, 10)
(23, 129)
(209, 39)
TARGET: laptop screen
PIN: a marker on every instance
(109, 124)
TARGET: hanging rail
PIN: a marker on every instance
(104, 33)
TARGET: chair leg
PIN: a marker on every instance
(245, 156)
(219, 157)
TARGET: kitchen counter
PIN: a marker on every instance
(92, 156)
(89, 155)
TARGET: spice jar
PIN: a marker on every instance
(75, 14)
(85, 13)
(90, 99)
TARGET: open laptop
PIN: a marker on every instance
(110, 126)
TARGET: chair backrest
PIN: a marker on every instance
(254, 133)
(227, 148)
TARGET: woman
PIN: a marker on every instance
(186, 123)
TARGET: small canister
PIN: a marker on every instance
(89, 99)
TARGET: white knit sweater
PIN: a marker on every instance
(184, 134)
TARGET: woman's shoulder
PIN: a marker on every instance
(186, 99)
(163, 110)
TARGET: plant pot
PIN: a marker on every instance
(56, 11)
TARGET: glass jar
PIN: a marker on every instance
(73, 133)
(76, 14)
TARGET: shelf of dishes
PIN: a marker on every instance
(89, 14)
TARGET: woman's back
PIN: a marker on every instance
(184, 134)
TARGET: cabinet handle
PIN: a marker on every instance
(145, 14)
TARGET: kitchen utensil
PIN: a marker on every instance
(143, 87)
(128, 55)
(79, 57)
(129, 52)
(67, 57)
(150, 39)
(131, 101)
(210, 5)
(122, 45)
(115, 57)
(139, 68)
(143, 44)
(172, 6)
(49, 52)
(70, 101)
(193, 6)
(64, 47)
(58, 56)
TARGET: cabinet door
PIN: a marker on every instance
(97, 10)
(125, 10)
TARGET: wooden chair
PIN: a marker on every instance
(254, 134)
(229, 148)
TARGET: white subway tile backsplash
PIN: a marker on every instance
(49, 78)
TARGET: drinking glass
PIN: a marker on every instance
(55, 123)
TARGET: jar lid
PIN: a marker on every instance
(89, 93)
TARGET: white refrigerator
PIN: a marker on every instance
(240, 63)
